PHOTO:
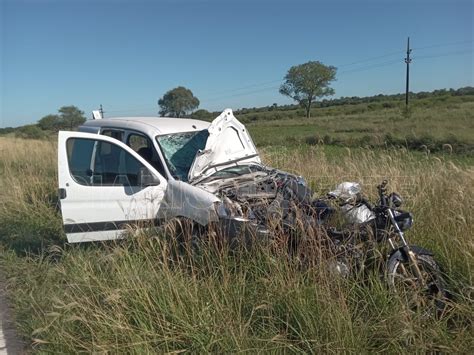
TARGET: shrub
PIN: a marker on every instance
(30, 131)
(312, 140)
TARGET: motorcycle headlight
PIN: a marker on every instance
(395, 199)
(404, 220)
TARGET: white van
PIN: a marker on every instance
(119, 171)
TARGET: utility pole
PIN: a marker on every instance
(101, 111)
(408, 61)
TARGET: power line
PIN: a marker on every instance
(275, 87)
(241, 94)
(370, 59)
(389, 54)
(443, 45)
(280, 80)
(350, 64)
(377, 65)
(247, 87)
(373, 66)
(443, 54)
(363, 68)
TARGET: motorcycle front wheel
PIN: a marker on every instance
(427, 295)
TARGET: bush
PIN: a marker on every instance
(389, 105)
(7, 130)
(312, 140)
(30, 132)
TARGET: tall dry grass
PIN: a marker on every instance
(29, 217)
(139, 297)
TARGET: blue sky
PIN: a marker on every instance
(126, 54)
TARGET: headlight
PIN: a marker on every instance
(395, 199)
(404, 220)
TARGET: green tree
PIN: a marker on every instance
(306, 82)
(49, 122)
(178, 102)
(70, 117)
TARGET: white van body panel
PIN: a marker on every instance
(228, 142)
(92, 213)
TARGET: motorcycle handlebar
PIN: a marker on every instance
(382, 190)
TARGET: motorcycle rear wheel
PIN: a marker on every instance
(427, 296)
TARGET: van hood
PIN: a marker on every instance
(228, 144)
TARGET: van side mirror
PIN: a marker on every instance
(146, 178)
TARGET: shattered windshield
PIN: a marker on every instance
(237, 170)
(179, 150)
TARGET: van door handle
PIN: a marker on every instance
(62, 194)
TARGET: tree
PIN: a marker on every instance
(177, 102)
(306, 82)
(49, 122)
(70, 117)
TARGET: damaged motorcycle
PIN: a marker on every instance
(374, 235)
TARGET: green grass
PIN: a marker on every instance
(439, 127)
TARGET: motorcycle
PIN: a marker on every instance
(376, 233)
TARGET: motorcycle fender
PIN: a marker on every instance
(400, 253)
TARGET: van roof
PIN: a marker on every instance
(150, 125)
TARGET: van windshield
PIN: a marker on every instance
(179, 150)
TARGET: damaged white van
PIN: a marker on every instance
(117, 172)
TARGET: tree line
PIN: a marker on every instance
(307, 84)
(67, 118)
(355, 100)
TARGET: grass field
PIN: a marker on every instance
(130, 297)
(441, 127)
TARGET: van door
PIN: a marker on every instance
(104, 186)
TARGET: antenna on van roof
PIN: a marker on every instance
(98, 114)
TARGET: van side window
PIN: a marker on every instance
(98, 163)
(137, 141)
(114, 133)
(143, 146)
